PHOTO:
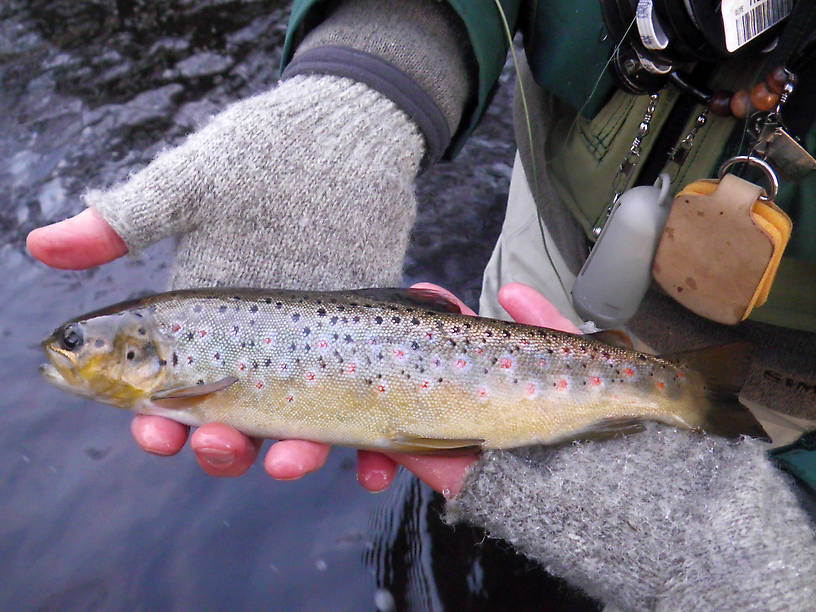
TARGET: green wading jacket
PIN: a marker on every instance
(567, 48)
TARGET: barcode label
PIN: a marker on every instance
(744, 20)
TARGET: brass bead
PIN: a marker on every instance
(762, 98)
(740, 104)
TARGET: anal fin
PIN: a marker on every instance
(409, 443)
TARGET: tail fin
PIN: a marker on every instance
(724, 369)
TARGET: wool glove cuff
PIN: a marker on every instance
(661, 520)
(310, 184)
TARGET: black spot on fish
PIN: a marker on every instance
(415, 345)
(197, 308)
(550, 351)
(356, 319)
(321, 312)
(489, 334)
(243, 345)
(333, 320)
(439, 325)
(439, 379)
(378, 320)
(307, 348)
(380, 356)
(217, 356)
(235, 329)
(267, 362)
(395, 319)
(141, 331)
(268, 300)
(292, 347)
(236, 297)
(254, 365)
(415, 321)
(253, 308)
(306, 331)
(335, 336)
(222, 309)
(278, 304)
(175, 359)
(348, 339)
(354, 304)
(344, 319)
(456, 329)
(99, 343)
(452, 341)
(189, 335)
(505, 333)
(340, 307)
(162, 362)
(252, 321)
(296, 317)
(200, 381)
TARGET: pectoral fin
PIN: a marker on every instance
(194, 390)
(410, 443)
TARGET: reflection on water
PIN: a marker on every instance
(90, 91)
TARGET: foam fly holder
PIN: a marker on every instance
(721, 247)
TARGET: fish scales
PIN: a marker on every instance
(357, 369)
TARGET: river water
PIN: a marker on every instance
(91, 90)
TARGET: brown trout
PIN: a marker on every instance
(380, 369)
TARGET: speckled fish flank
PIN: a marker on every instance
(380, 369)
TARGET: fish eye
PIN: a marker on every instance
(70, 337)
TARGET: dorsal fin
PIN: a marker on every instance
(427, 298)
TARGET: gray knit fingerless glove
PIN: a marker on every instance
(308, 185)
(662, 520)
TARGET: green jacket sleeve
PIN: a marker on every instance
(486, 31)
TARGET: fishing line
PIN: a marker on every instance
(529, 127)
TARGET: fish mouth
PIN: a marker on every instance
(52, 372)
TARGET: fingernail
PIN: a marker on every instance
(216, 457)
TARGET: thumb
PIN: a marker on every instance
(80, 242)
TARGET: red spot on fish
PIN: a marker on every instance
(461, 363)
(268, 340)
(189, 359)
(259, 385)
(530, 389)
(561, 385)
(381, 388)
(594, 381)
(424, 384)
(542, 363)
(282, 367)
(310, 376)
(680, 374)
(242, 366)
(351, 368)
(290, 398)
(428, 335)
(478, 351)
(202, 333)
(629, 371)
(322, 344)
(176, 327)
(565, 350)
(506, 363)
(482, 392)
(661, 385)
(398, 354)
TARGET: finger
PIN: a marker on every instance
(463, 308)
(222, 450)
(293, 459)
(443, 474)
(80, 242)
(158, 435)
(375, 471)
(526, 305)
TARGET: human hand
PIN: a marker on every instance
(279, 190)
